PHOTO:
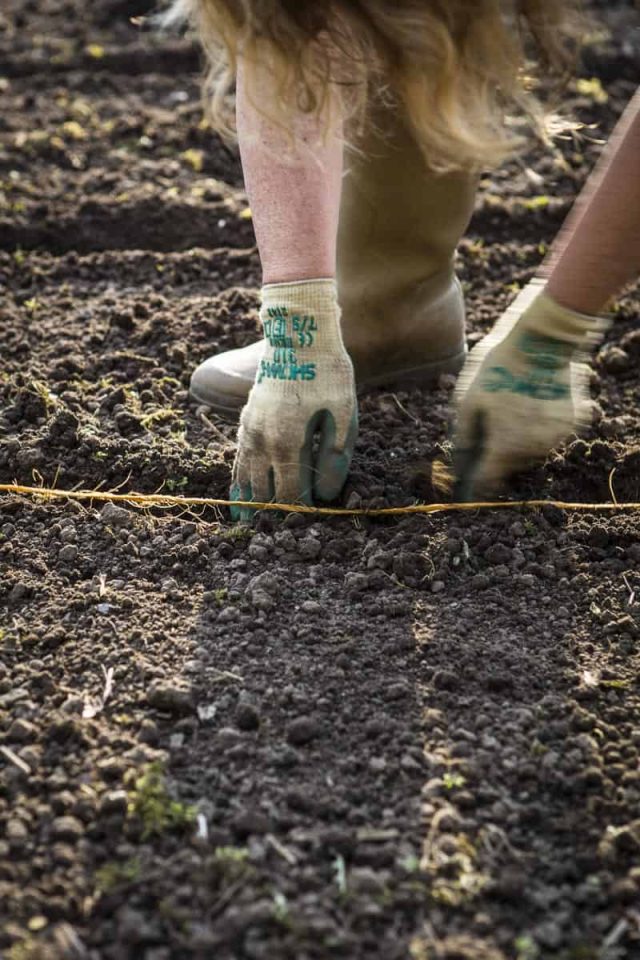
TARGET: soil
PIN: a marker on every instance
(304, 739)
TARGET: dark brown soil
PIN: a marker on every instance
(323, 739)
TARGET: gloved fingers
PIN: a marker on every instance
(584, 406)
(501, 450)
(261, 488)
(332, 460)
(262, 482)
(241, 488)
(494, 469)
(292, 479)
(470, 444)
(241, 492)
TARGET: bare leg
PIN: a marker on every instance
(299, 426)
(293, 186)
(598, 250)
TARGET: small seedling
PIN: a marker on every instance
(124, 719)
(527, 948)
(113, 874)
(195, 159)
(585, 951)
(50, 400)
(220, 595)
(451, 781)
(160, 416)
(231, 863)
(176, 483)
(411, 863)
(240, 531)
(591, 88)
(231, 855)
(152, 804)
(281, 911)
(537, 203)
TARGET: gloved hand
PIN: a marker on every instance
(522, 390)
(299, 427)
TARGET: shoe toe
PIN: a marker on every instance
(223, 382)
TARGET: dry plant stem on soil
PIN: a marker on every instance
(161, 500)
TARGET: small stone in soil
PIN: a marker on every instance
(614, 359)
(309, 548)
(115, 516)
(311, 606)
(114, 802)
(69, 553)
(303, 730)
(445, 680)
(21, 731)
(16, 831)
(170, 697)
(249, 822)
(247, 717)
(68, 829)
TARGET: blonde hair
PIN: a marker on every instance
(455, 67)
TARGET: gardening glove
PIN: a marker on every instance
(522, 390)
(299, 427)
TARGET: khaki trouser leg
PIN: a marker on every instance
(399, 227)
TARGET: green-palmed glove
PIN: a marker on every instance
(300, 423)
(522, 390)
